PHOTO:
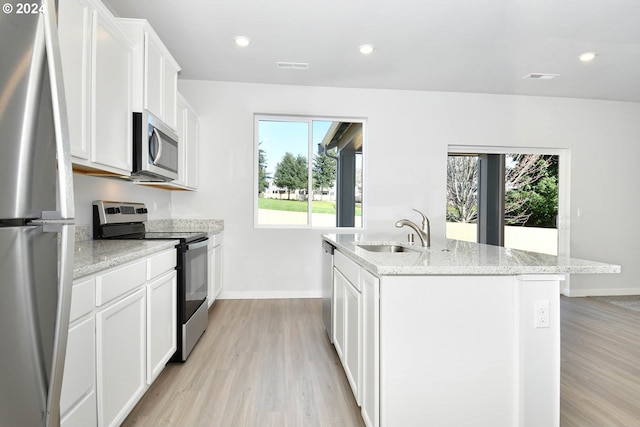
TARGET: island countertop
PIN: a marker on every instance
(456, 257)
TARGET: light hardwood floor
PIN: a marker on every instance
(260, 363)
(269, 363)
(600, 370)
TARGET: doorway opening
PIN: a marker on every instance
(511, 197)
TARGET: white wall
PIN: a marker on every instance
(89, 188)
(406, 149)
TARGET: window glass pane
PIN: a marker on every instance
(283, 148)
(462, 198)
(325, 192)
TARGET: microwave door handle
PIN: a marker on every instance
(158, 139)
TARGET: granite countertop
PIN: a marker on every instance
(456, 257)
(93, 256)
(209, 226)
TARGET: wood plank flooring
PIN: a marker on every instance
(260, 363)
(269, 363)
(600, 370)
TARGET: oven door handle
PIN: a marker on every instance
(198, 245)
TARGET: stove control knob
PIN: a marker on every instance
(141, 210)
(110, 211)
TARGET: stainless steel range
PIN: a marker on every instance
(125, 220)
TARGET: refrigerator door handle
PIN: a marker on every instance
(60, 116)
(67, 238)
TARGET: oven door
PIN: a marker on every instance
(195, 277)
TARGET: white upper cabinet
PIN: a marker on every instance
(155, 72)
(97, 71)
(187, 127)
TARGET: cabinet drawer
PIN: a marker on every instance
(82, 298)
(120, 281)
(161, 263)
(348, 268)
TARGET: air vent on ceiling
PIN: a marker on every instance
(540, 76)
(293, 65)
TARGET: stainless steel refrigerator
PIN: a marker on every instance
(36, 216)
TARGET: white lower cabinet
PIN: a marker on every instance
(121, 344)
(353, 345)
(78, 395)
(370, 390)
(347, 322)
(214, 267)
(161, 323)
(78, 399)
(122, 332)
(339, 285)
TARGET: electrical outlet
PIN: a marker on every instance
(541, 313)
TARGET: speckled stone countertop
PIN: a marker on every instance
(455, 257)
(209, 226)
(92, 256)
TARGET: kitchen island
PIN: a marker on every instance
(459, 334)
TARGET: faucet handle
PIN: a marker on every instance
(425, 220)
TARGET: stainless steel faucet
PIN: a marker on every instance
(423, 233)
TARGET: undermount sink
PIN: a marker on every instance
(385, 248)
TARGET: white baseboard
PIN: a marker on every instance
(269, 294)
(601, 292)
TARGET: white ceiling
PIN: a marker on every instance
(484, 46)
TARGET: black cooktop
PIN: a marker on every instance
(184, 236)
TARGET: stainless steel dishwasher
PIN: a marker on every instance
(327, 286)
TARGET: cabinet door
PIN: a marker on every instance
(370, 395)
(121, 347)
(111, 124)
(191, 137)
(74, 29)
(352, 339)
(217, 279)
(170, 92)
(154, 73)
(161, 323)
(339, 285)
(211, 272)
(78, 380)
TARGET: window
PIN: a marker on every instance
(308, 171)
(505, 199)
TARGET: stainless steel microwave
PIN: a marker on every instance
(155, 149)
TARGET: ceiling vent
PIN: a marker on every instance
(540, 76)
(293, 65)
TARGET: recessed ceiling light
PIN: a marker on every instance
(242, 41)
(366, 49)
(588, 56)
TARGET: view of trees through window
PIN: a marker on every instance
(530, 196)
(326, 192)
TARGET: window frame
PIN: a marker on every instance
(258, 117)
